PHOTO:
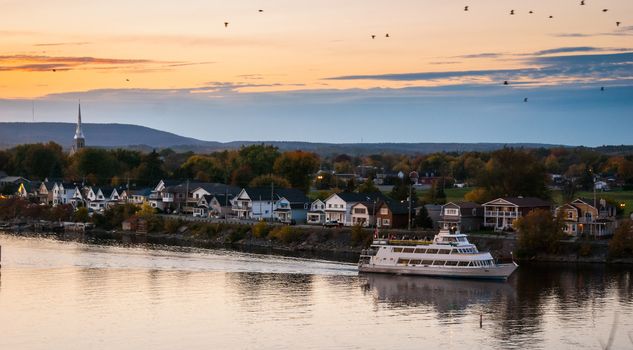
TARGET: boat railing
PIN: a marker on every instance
(408, 242)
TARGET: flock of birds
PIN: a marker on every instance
(466, 8)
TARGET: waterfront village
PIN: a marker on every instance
(359, 201)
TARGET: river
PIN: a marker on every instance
(69, 295)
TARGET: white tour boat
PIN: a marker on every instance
(448, 255)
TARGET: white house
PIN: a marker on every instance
(271, 204)
(63, 193)
(362, 214)
(338, 206)
(316, 214)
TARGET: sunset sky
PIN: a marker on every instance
(310, 70)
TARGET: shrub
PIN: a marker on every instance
(238, 233)
(621, 245)
(172, 226)
(360, 236)
(261, 229)
(285, 234)
(539, 231)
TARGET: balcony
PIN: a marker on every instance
(502, 214)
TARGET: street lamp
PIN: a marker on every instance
(413, 176)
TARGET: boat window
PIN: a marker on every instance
(462, 263)
(414, 262)
(444, 251)
(427, 262)
(407, 250)
(403, 261)
(439, 263)
(451, 263)
(420, 251)
(397, 250)
(431, 251)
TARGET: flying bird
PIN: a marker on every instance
(511, 12)
(605, 10)
(505, 82)
(531, 12)
(54, 70)
(582, 2)
(226, 24)
(387, 35)
(465, 8)
(127, 79)
(373, 36)
(260, 10)
(551, 16)
(617, 24)
(525, 99)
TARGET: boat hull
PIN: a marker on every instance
(497, 272)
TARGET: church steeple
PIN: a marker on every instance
(79, 140)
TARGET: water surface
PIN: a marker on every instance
(69, 295)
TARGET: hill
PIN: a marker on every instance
(144, 138)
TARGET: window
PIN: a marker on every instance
(384, 211)
(414, 262)
(439, 263)
(431, 251)
(397, 250)
(403, 261)
(420, 251)
(462, 263)
(451, 263)
(444, 251)
(386, 222)
(329, 205)
(360, 211)
(451, 212)
(427, 262)
(407, 250)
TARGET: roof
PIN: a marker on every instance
(14, 179)
(525, 202)
(214, 187)
(141, 192)
(361, 197)
(396, 207)
(264, 193)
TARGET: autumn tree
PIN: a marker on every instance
(621, 245)
(259, 158)
(267, 180)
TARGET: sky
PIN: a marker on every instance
(311, 71)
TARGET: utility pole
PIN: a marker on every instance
(413, 176)
(272, 194)
(186, 196)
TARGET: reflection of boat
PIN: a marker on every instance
(448, 255)
(444, 294)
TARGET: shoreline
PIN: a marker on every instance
(318, 243)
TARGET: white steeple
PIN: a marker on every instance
(78, 133)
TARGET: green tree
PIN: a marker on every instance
(150, 170)
(621, 245)
(435, 194)
(297, 167)
(81, 215)
(368, 187)
(266, 180)
(422, 219)
(539, 231)
(259, 158)
(511, 172)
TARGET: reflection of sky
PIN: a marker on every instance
(173, 65)
(162, 302)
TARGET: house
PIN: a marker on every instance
(501, 213)
(316, 213)
(13, 180)
(218, 206)
(363, 213)
(139, 196)
(64, 192)
(466, 216)
(581, 217)
(392, 214)
(160, 198)
(292, 206)
(45, 192)
(338, 206)
(264, 203)
(223, 193)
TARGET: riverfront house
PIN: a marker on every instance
(501, 213)
(392, 214)
(465, 216)
(583, 217)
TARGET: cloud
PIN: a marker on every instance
(40, 63)
(549, 69)
(78, 43)
(567, 50)
(481, 55)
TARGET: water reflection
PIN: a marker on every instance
(444, 295)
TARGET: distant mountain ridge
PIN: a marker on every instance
(144, 138)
